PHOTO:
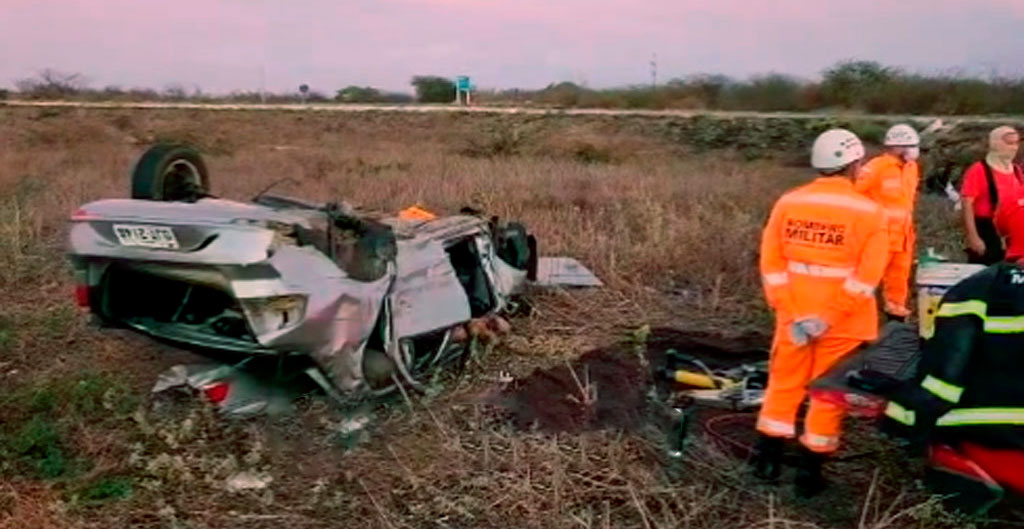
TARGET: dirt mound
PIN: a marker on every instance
(606, 388)
(601, 389)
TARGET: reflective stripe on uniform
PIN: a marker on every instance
(830, 199)
(979, 416)
(942, 389)
(992, 324)
(900, 414)
(776, 279)
(820, 443)
(775, 427)
(853, 286)
(1004, 324)
(962, 308)
(896, 213)
(809, 269)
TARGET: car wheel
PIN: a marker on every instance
(169, 172)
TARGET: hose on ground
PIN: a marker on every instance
(713, 425)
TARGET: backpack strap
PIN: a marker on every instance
(993, 191)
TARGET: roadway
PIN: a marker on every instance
(537, 111)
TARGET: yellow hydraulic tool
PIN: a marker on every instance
(701, 380)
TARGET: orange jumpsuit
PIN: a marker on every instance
(823, 253)
(892, 183)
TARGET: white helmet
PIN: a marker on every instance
(902, 136)
(835, 149)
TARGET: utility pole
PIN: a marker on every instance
(654, 70)
(263, 83)
(263, 67)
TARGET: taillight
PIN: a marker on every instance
(82, 295)
(82, 215)
(217, 392)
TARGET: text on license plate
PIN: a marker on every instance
(146, 236)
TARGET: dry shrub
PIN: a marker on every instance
(29, 506)
(586, 145)
(76, 134)
(651, 219)
(213, 144)
(675, 238)
(447, 463)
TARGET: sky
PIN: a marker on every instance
(227, 45)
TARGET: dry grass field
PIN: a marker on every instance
(674, 235)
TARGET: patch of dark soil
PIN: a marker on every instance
(729, 431)
(606, 388)
(602, 389)
(717, 351)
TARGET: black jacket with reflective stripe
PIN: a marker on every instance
(970, 381)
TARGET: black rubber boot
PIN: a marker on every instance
(809, 481)
(767, 457)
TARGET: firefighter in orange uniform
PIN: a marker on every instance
(891, 180)
(823, 253)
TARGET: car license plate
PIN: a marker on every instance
(146, 236)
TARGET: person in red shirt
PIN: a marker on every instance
(1009, 222)
(984, 185)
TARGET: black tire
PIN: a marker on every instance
(169, 172)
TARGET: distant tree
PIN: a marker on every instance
(433, 89)
(567, 86)
(849, 83)
(397, 97)
(316, 97)
(175, 92)
(709, 87)
(52, 84)
(4, 94)
(764, 92)
(359, 94)
(304, 92)
(110, 92)
(565, 94)
(142, 94)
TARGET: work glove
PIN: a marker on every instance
(813, 327)
(798, 335)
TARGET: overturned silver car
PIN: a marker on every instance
(372, 300)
